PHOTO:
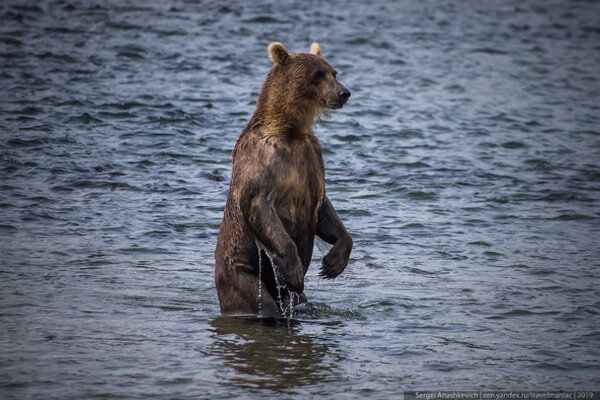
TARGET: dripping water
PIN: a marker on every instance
(291, 307)
(276, 282)
(286, 312)
(260, 265)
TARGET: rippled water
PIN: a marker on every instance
(466, 167)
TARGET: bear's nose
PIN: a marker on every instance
(344, 94)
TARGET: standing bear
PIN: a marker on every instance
(277, 203)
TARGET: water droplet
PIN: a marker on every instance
(259, 283)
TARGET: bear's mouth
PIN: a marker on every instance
(336, 106)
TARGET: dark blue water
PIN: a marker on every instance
(466, 166)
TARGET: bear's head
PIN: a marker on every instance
(304, 82)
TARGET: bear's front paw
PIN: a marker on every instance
(293, 278)
(290, 270)
(336, 260)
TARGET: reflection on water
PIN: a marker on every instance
(273, 355)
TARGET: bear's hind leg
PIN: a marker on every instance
(243, 296)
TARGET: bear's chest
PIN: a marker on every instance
(300, 188)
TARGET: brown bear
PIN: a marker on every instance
(276, 202)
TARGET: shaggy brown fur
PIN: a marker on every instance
(277, 203)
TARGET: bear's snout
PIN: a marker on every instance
(343, 96)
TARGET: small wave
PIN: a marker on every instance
(64, 30)
(556, 196)
(569, 217)
(65, 58)
(537, 164)
(421, 196)
(263, 19)
(409, 133)
(123, 26)
(455, 88)
(411, 165)
(419, 271)
(132, 54)
(493, 254)
(349, 138)
(490, 50)
(480, 243)
(519, 312)
(446, 367)
(18, 142)
(145, 250)
(359, 213)
(116, 115)
(513, 145)
(90, 184)
(128, 105)
(11, 41)
(541, 271)
(85, 118)
(413, 225)
(30, 110)
(173, 155)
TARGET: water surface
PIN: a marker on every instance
(465, 166)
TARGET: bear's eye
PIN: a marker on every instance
(334, 74)
(319, 75)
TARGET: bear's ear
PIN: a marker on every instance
(316, 49)
(278, 53)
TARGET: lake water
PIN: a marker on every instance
(466, 166)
